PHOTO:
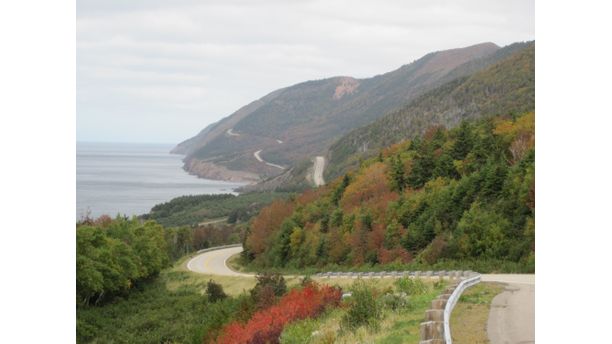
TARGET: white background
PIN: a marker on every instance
(37, 133)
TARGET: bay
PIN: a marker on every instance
(130, 178)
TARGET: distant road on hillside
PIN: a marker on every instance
(319, 166)
(258, 157)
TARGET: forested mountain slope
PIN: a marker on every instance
(506, 87)
(466, 195)
(295, 123)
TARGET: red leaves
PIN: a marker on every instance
(266, 326)
(267, 222)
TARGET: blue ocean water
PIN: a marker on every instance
(130, 178)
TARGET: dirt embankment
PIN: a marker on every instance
(209, 170)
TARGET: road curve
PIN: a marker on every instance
(512, 314)
(258, 157)
(319, 165)
(511, 319)
(215, 262)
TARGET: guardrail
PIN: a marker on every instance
(395, 274)
(436, 328)
(218, 248)
(452, 301)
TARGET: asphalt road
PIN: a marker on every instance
(214, 262)
(512, 315)
(319, 165)
(258, 157)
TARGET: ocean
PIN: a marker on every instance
(130, 178)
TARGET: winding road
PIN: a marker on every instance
(215, 262)
(256, 154)
(511, 319)
(319, 165)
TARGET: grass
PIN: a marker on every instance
(478, 265)
(399, 326)
(469, 318)
(234, 263)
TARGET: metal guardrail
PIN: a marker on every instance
(218, 248)
(467, 279)
(452, 301)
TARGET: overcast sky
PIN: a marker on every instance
(160, 71)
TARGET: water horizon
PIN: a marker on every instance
(119, 178)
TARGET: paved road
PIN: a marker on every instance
(256, 154)
(214, 262)
(511, 319)
(319, 165)
(512, 315)
(212, 221)
(230, 132)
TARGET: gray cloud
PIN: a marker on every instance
(159, 71)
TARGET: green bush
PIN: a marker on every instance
(411, 286)
(363, 308)
(214, 291)
(395, 302)
(299, 332)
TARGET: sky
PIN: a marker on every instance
(160, 71)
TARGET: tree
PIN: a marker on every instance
(423, 165)
(483, 233)
(393, 234)
(463, 143)
(398, 176)
(445, 167)
(339, 191)
(214, 291)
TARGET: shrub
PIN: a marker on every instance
(269, 285)
(266, 325)
(395, 302)
(300, 332)
(214, 291)
(411, 286)
(363, 308)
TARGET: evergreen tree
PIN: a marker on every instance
(445, 167)
(422, 168)
(398, 177)
(464, 142)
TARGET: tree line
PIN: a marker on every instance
(116, 255)
(448, 195)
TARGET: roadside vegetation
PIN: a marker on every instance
(115, 256)
(195, 209)
(451, 199)
(469, 319)
(178, 306)
(381, 311)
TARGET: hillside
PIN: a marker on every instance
(464, 197)
(506, 87)
(293, 124)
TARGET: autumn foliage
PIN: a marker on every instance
(266, 326)
(467, 193)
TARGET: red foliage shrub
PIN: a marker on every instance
(266, 326)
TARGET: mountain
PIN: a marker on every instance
(505, 87)
(290, 126)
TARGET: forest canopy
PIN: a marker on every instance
(448, 195)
